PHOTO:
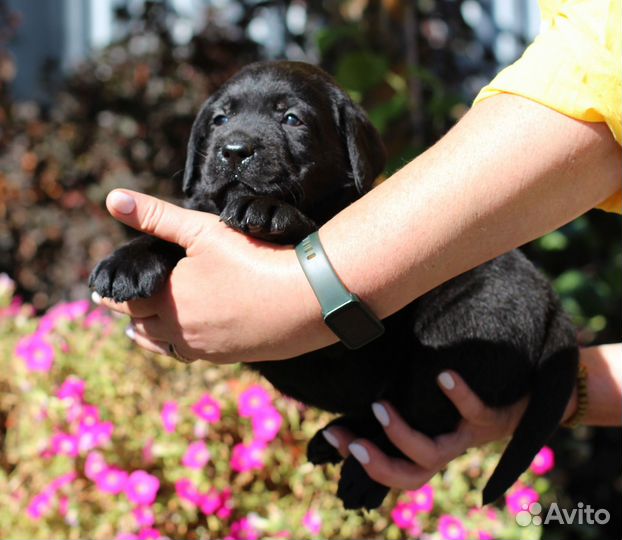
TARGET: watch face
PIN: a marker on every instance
(354, 324)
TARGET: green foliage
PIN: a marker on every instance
(129, 389)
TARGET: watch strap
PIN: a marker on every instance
(328, 288)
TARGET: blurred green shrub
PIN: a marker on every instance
(100, 440)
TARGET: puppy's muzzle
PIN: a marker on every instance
(235, 152)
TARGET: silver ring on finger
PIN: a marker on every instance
(172, 351)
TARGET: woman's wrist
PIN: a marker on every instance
(303, 318)
(603, 365)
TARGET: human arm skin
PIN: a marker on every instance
(510, 171)
(479, 424)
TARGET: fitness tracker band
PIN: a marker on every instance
(349, 318)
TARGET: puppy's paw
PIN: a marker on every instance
(267, 219)
(136, 270)
(320, 452)
(356, 489)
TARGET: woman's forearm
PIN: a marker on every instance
(510, 171)
(604, 385)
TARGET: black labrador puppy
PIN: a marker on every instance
(276, 152)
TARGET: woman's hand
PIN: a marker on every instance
(231, 299)
(479, 425)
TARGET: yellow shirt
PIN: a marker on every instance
(574, 66)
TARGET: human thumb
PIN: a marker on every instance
(156, 217)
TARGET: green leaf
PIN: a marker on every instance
(360, 71)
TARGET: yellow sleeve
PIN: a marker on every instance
(574, 66)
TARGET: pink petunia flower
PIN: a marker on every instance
(90, 437)
(37, 354)
(422, 498)
(64, 444)
(40, 505)
(544, 461)
(244, 529)
(207, 408)
(144, 515)
(89, 415)
(253, 400)
(126, 536)
(197, 455)
(246, 457)
(97, 317)
(520, 499)
(226, 504)
(112, 480)
(72, 389)
(404, 515)
(63, 506)
(94, 465)
(485, 535)
(170, 416)
(266, 424)
(187, 491)
(69, 311)
(149, 534)
(63, 480)
(142, 487)
(451, 528)
(312, 522)
(415, 530)
(210, 502)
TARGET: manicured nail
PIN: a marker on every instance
(359, 452)
(330, 438)
(130, 332)
(380, 413)
(121, 202)
(96, 298)
(446, 380)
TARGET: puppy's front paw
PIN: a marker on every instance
(356, 489)
(268, 219)
(136, 270)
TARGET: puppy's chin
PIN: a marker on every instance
(214, 196)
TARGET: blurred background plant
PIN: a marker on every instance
(104, 97)
(128, 445)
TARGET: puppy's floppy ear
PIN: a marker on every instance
(365, 149)
(198, 134)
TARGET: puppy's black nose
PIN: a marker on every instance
(236, 152)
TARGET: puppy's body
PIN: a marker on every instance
(278, 151)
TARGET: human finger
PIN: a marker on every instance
(158, 218)
(415, 445)
(469, 405)
(388, 471)
(339, 439)
(158, 347)
(152, 328)
(140, 307)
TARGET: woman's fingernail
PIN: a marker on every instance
(359, 452)
(380, 413)
(130, 332)
(446, 380)
(121, 202)
(330, 438)
(96, 298)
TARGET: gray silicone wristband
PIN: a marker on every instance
(343, 312)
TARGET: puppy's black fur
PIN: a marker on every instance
(279, 150)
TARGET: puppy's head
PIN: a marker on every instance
(283, 130)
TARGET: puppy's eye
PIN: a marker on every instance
(220, 119)
(292, 120)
